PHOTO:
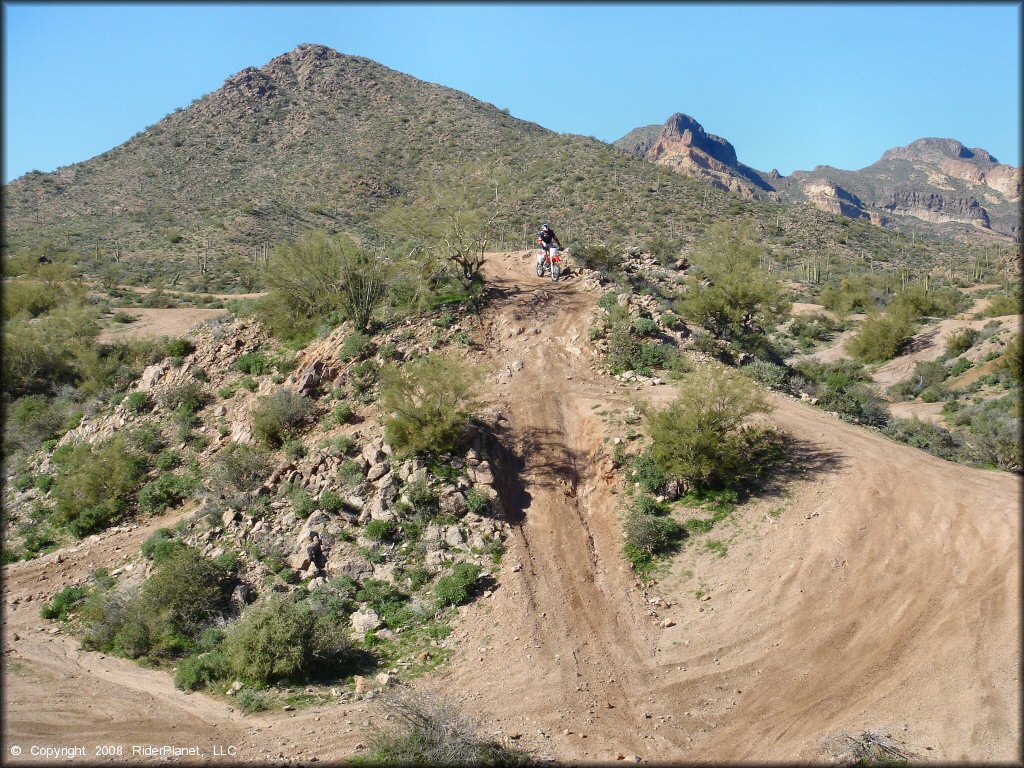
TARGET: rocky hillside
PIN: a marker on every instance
(932, 186)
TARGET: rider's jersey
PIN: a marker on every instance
(547, 236)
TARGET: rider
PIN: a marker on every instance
(546, 238)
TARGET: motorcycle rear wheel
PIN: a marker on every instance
(540, 269)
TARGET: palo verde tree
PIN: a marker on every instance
(730, 295)
(318, 276)
(448, 222)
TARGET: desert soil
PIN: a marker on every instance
(875, 587)
(155, 322)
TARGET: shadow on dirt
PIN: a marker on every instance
(797, 459)
(510, 466)
(921, 342)
(534, 301)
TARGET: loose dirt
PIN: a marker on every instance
(153, 323)
(875, 587)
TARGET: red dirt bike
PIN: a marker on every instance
(546, 263)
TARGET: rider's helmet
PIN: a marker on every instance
(544, 226)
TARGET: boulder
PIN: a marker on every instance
(364, 620)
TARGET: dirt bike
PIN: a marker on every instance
(546, 263)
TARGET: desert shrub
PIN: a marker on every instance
(914, 302)
(770, 374)
(645, 327)
(361, 378)
(342, 413)
(186, 592)
(33, 419)
(280, 415)
(167, 460)
(608, 300)
(477, 502)
(157, 538)
(201, 670)
(927, 374)
(64, 602)
(179, 347)
(857, 403)
(387, 600)
(646, 471)
(1001, 306)
(993, 438)
(598, 257)
(742, 299)
(190, 396)
(252, 363)
(95, 487)
(457, 587)
(961, 341)
(380, 530)
(250, 701)
(838, 375)
(421, 496)
(168, 490)
(926, 436)
(1010, 363)
(648, 532)
(423, 730)
(147, 439)
(280, 637)
(330, 501)
(882, 337)
(813, 327)
(293, 449)
(702, 438)
(354, 346)
(349, 473)
(136, 402)
(855, 293)
(431, 400)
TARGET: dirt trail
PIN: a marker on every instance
(884, 594)
(155, 322)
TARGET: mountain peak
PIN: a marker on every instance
(937, 149)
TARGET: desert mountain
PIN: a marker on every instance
(683, 145)
(315, 139)
(935, 181)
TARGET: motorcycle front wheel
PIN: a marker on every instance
(555, 271)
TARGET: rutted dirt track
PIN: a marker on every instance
(885, 595)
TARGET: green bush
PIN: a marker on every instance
(354, 346)
(250, 701)
(239, 468)
(252, 363)
(645, 471)
(167, 460)
(926, 436)
(201, 670)
(457, 587)
(380, 530)
(168, 490)
(432, 399)
(645, 327)
(914, 302)
(179, 348)
(280, 415)
(330, 501)
(63, 603)
(293, 449)
(649, 535)
(94, 489)
(927, 375)
(1000, 306)
(389, 602)
(855, 293)
(349, 474)
(342, 413)
(961, 341)
(770, 374)
(281, 638)
(191, 397)
(882, 337)
(701, 438)
(742, 299)
(813, 327)
(857, 403)
(477, 502)
(608, 300)
(33, 419)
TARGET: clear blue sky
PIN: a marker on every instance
(791, 86)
